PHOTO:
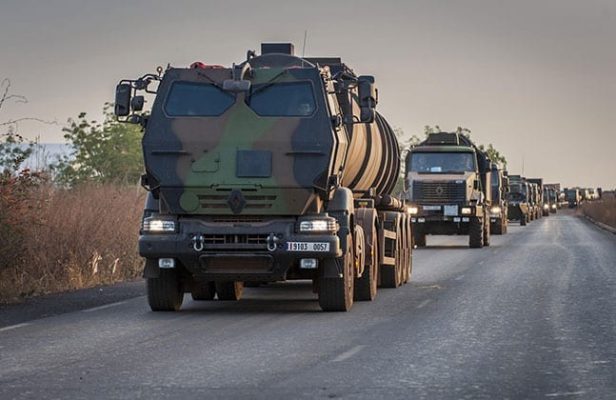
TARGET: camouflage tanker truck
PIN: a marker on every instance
(499, 207)
(518, 200)
(448, 189)
(274, 169)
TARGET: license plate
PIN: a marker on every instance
(450, 210)
(432, 208)
(307, 246)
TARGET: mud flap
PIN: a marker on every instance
(151, 269)
(332, 269)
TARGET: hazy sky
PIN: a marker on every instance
(535, 78)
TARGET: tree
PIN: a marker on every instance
(101, 152)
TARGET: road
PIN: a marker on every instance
(532, 316)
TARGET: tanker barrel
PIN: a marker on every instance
(373, 158)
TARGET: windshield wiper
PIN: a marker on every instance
(267, 84)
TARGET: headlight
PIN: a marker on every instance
(318, 226)
(554, 206)
(466, 211)
(155, 225)
(412, 210)
(495, 210)
(546, 206)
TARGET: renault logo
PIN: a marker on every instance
(439, 190)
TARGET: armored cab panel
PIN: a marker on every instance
(210, 151)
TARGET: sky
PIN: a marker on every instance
(536, 78)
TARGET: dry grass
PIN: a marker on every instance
(603, 210)
(71, 239)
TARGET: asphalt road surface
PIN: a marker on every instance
(531, 317)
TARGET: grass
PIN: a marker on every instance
(70, 239)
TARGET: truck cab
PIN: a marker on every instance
(518, 199)
(448, 188)
(498, 210)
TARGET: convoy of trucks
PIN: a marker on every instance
(280, 168)
(276, 168)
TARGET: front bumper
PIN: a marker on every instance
(445, 219)
(239, 251)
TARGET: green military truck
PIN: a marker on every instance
(550, 198)
(449, 189)
(273, 169)
(499, 207)
(518, 199)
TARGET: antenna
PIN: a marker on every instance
(304, 46)
(522, 165)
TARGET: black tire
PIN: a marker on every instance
(497, 227)
(165, 292)
(336, 294)
(203, 291)
(229, 291)
(486, 232)
(366, 286)
(475, 233)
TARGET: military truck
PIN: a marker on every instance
(555, 195)
(499, 208)
(518, 200)
(273, 169)
(550, 198)
(448, 188)
(542, 211)
(535, 212)
(573, 197)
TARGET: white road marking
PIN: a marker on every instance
(11, 327)
(103, 307)
(563, 394)
(349, 353)
(459, 278)
(423, 303)
(480, 262)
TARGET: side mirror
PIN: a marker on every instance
(368, 98)
(136, 103)
(123, 99)
(368, 94)
(476, 184)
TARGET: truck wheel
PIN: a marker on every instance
(165, 292)
(229, 291)
(475, 233)
(486, 233)
(523, 220)
(203, 291)
(366, 286)
(336, 294)
(505, 226)
(497, 227)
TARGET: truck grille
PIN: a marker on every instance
(252, 201)
(236, 239)
(439, 192)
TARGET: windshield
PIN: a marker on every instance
(188, 99)
(294, 99)
(516, 196)
(442, 162)
(494, 178)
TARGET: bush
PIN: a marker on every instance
(70, 239)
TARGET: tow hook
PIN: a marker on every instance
(197, 242)
(272, 242)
